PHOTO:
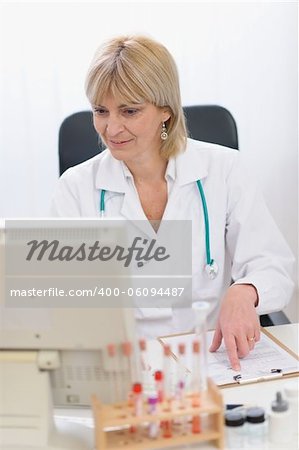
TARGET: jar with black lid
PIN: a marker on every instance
(257, 427)
(235, 429)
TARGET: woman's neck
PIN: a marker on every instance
(148, 172)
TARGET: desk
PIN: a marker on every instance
(259, 393)
(263, 393)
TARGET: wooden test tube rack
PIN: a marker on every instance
(113, 424)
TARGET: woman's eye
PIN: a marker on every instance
(100, 111)
(130, 111)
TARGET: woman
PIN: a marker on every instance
(150, 170)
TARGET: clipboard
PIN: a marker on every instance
(270, 359)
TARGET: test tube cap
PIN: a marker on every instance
(111, 349)
(167, 350)
(196, 347)
(127, 348)
(158, 375)
(142, 344)
(201, 310)
(182, 348)
(153, 400)
(137, 388)
(201, 306)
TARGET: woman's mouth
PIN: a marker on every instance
(118, 142)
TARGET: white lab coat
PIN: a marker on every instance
(245, 242)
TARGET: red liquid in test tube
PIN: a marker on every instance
(137, 399)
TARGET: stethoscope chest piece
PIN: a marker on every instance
(212, 270)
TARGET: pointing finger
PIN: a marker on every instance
(217, 339)
(231, 348)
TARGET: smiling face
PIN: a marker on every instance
(131, 131)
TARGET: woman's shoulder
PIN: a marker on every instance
(200, 153)
(87, 168)
(210, 149)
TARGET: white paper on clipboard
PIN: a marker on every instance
(268, 356)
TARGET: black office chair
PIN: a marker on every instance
(78, 141)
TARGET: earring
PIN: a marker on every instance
(164, 134)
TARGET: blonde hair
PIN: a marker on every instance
(139, 69)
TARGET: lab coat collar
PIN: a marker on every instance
(110, 174)
(189, 166)
(192, 164)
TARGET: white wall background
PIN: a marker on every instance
(241, 55)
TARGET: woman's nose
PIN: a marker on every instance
(114, 126)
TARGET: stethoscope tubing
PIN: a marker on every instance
(206, 221)
(210, 263)
(102, 202)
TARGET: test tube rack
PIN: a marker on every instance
(116, 427)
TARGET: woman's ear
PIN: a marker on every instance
(166, 114)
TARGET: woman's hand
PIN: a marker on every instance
(238, 323)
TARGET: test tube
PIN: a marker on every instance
(201, 311)
(153, 429)
(137, 399)
(195, 373)
(195, 386)
(181, 375)
(131, 351)
(196, 425)
(147, 378)
(143, 353)
(137, 366)
(137, 402)
(167, 429)
(128, 380)
(111, 349)
(159, 385)
(167, 384)
(167, 390)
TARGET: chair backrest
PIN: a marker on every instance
(78, 140)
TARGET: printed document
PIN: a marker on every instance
(268, 360)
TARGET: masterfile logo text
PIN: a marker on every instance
(141, 251)
(97, 263)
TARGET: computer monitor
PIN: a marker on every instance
(56, 352)
(54, 348)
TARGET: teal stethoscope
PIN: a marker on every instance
(211, 267)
